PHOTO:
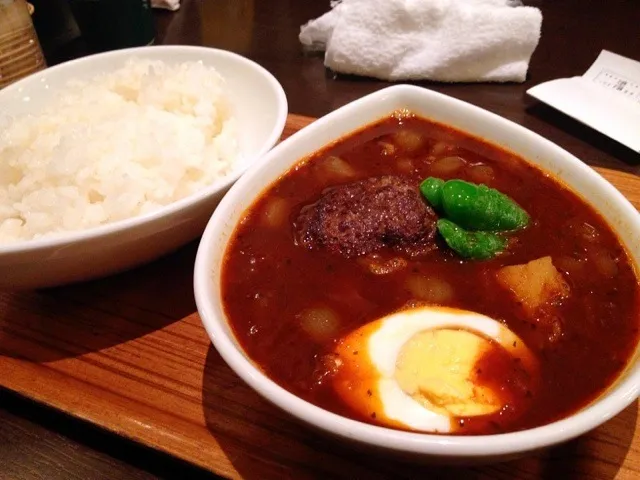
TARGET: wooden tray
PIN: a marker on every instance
(128, 353)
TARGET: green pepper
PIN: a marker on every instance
(473, 245)
(431, 189)
(474, 207)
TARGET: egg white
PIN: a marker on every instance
(384, 340)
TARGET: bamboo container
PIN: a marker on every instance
(20, 52)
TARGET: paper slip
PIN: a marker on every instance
(606, 97)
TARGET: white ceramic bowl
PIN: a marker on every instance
(260, 106)
(622, 216)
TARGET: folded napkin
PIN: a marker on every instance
(442, 40)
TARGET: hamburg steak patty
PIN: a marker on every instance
(361, 217)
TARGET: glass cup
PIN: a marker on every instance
(113, 24)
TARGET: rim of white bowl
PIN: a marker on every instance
(65, 238)
(615, 399)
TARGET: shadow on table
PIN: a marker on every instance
(65, 322)
(584, 133)
(263, 442)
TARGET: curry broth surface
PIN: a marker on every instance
(267, 280)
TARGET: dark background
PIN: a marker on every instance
(36, 442)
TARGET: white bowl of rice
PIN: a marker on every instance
(113, 160)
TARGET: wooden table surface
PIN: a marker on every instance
(37, 442)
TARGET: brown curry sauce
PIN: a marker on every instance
(267, 279)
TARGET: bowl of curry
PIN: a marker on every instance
(414, 273)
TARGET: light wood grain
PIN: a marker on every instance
(128, 353)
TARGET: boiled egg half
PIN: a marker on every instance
(418, 369)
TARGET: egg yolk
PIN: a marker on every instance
(437, 368)
(426, 367)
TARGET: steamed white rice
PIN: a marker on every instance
(117, 146)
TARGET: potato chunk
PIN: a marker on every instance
(534, 284)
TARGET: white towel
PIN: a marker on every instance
(172, 5)
(441, 40)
